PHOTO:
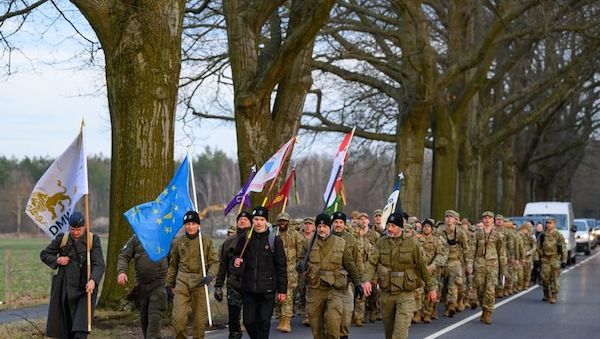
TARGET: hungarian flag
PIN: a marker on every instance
(271, 168)
(340, 201)
(334, 182)
(285, 190)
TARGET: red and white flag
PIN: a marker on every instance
(340, 160)
(271, 168)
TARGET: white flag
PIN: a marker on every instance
(58, 190)
(270, 169)
(339, 161)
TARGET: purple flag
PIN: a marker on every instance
(240, 195)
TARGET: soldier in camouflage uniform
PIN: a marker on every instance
(526, 233)
(489, 259)
(514, 252)
(469, 292)
(339, 229)
(458, 260)
(372, 302)
(435, 255)
(358, 317)
(401, 267)
(330, 266)
(552, 252)
(378, 225)
(234, 283)
(293, 244)
(519, 256)
(308, 229)
(504, 279)
(185, 276)
(149, 288)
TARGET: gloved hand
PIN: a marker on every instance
(206, 280)
(170, 295)
(563, 264)
(300, 267)
(358, 291)
(218, 294)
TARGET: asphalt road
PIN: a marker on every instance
(523, 315)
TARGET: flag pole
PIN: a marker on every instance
(88, 240)
(203, 261)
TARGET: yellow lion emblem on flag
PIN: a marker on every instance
(42, 202)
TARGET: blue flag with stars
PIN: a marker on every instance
(156, 222)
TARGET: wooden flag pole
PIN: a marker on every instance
(202, 260)
(88, 240)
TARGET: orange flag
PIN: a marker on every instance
(285, 190)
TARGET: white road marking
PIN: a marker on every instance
(478, 314)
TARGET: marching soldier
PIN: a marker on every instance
(339, 229)
(234, 284)
(358, 318)
(489, 259)
(293, 245)
(503, 279)
(330, 265)
(435, 256)
(469, 292)
(514, 257)
(401, 268)
(458, 257)
(526, 233)
(378, 226)
(148, 293)
(308, 229)
(373, 300)
(553, 256)
(185, 279)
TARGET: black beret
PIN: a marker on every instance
(76, 220)
(323, 219)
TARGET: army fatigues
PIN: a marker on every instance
(293, 244)
(234, 285)
(519, 257)
(400, 267)
(330, 265)
(515, 249)
(471, 296)
(527, 262)
(348, 301)
(458, 256)
(552, 252)
(149, 288)
(367, 248)
(67, 310)
(300, 297)
(435, 254)
(184, 276)
(489, 259)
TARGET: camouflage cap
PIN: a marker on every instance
(487, 214)
(409, 227)
(551, 219)
(308, 220)
(429, 222)
(412, 220)
(453, 213)
(472, 228)
(355, 214)
(378, 212)
(524, 226)
(499, 216)
(283, 216)
(363, 214)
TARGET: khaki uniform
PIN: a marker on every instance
(184, 274)
(330, 265)
(458, 256)
(293, 245)
(552, 251)
(300, 297)
(516, 250)
(356, 253)
(527, 261)
(519, 256)
(489, 259)
(400, 268)
(360, 303)
(434, 254)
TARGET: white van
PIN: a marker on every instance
(563, 213)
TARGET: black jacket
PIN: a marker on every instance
(226, 261)
(264, 271)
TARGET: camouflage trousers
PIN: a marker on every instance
(325, 309)
(525, 277)
(300, 294)
(453, 278)
(287, 308)
(234, 307)
(419, 295)
(486, 278)
(359, 306)
(188, 300)
(426, 305)
(348, 301)
(397, 312)
(551, 274)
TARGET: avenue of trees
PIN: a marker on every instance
(504, 94)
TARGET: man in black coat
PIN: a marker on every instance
(263, 268)
(67, 312)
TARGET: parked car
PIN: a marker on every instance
(582, 236)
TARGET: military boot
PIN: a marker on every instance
(461, 305)
(426, 318)
(284, 324)
(434, 313)
(372, 316)
(487, 317)
(552, 298)
(546, 295)
(416, 317)
(451, 310)
(359, 322)
(474, 304)
(499, 293)
(306, 321)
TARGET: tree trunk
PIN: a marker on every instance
(410, 151)
(142, 47)
(509, 175)
(489, 201)
(445, 164)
